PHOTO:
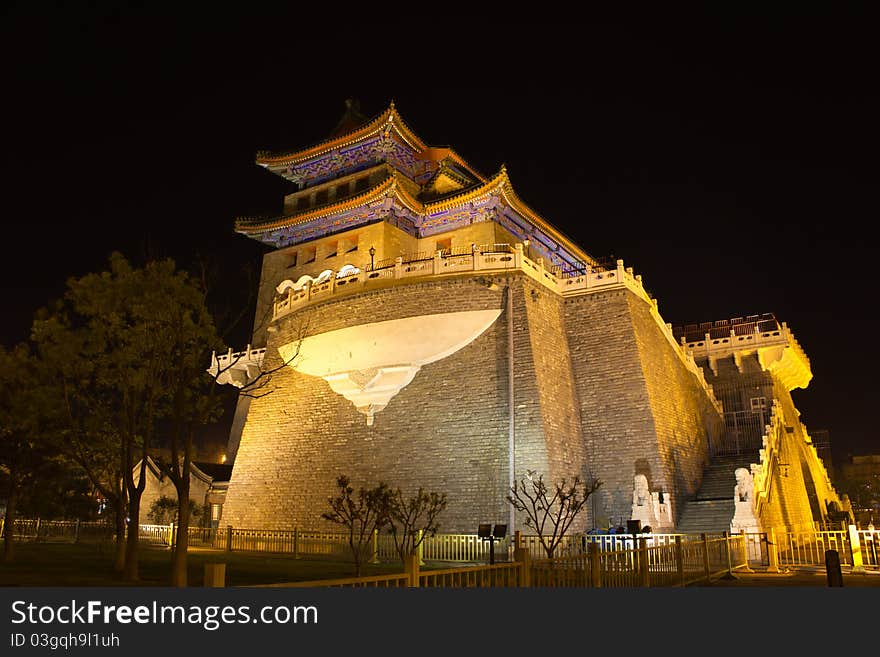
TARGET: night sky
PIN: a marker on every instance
(729, 159)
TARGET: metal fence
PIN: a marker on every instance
(59, 531)
(675, 563)
(859, 548)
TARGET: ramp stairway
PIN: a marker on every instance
(711, 510)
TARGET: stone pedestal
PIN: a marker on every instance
(215, 575)
(651, 508)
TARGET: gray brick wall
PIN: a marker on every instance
(641, 410)
(598, 393)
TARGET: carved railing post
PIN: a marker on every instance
(707, 570)
(679, 560)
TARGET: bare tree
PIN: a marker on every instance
(550, 512)
(361, 515)
(412, 519)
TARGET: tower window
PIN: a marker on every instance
(321, 197)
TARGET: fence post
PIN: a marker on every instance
(595, 566)
(76, 531)
(229, 538)
(679, 559)
(644, 572)
(411, 568)
(523, 558)
(172, 538)
(855, 546)
(729, 574)
(772, 551)
(2, 525)
(296, 542)
(37, 532)
(706, 566)
(419, 552)
(745, 541)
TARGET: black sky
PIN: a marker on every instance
(728, 158)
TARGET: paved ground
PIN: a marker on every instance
(799, 577)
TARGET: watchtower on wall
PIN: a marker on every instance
(433, 330)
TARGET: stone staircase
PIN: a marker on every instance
(712, 508)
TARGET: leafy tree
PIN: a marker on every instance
(361, 514)
(550, 512)
(26, 458)
(86, 433)
(414, 518)
(164, 511)
(188, 338)
(130, 345)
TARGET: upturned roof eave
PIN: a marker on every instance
(254, 227)
(499, 183)
(390, 115)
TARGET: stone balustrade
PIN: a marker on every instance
(487, 260)
(237, 368)
(712, 346)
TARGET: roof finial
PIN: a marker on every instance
(351, 118)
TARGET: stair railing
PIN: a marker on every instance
(762, 472)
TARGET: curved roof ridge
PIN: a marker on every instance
(514, 199)
(389, 116)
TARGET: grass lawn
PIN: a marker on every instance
(60, 564)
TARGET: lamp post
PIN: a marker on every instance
(372, 253)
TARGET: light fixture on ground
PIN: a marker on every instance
(491, 534)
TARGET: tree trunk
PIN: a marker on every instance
(9, 522)
(130, 573)
(119, 512)
(179, 562)
(356, 553)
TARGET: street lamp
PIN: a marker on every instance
(372, 253)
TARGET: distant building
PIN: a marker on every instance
(860, 475)
(208, 485)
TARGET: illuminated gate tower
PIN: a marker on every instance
(440, 333)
